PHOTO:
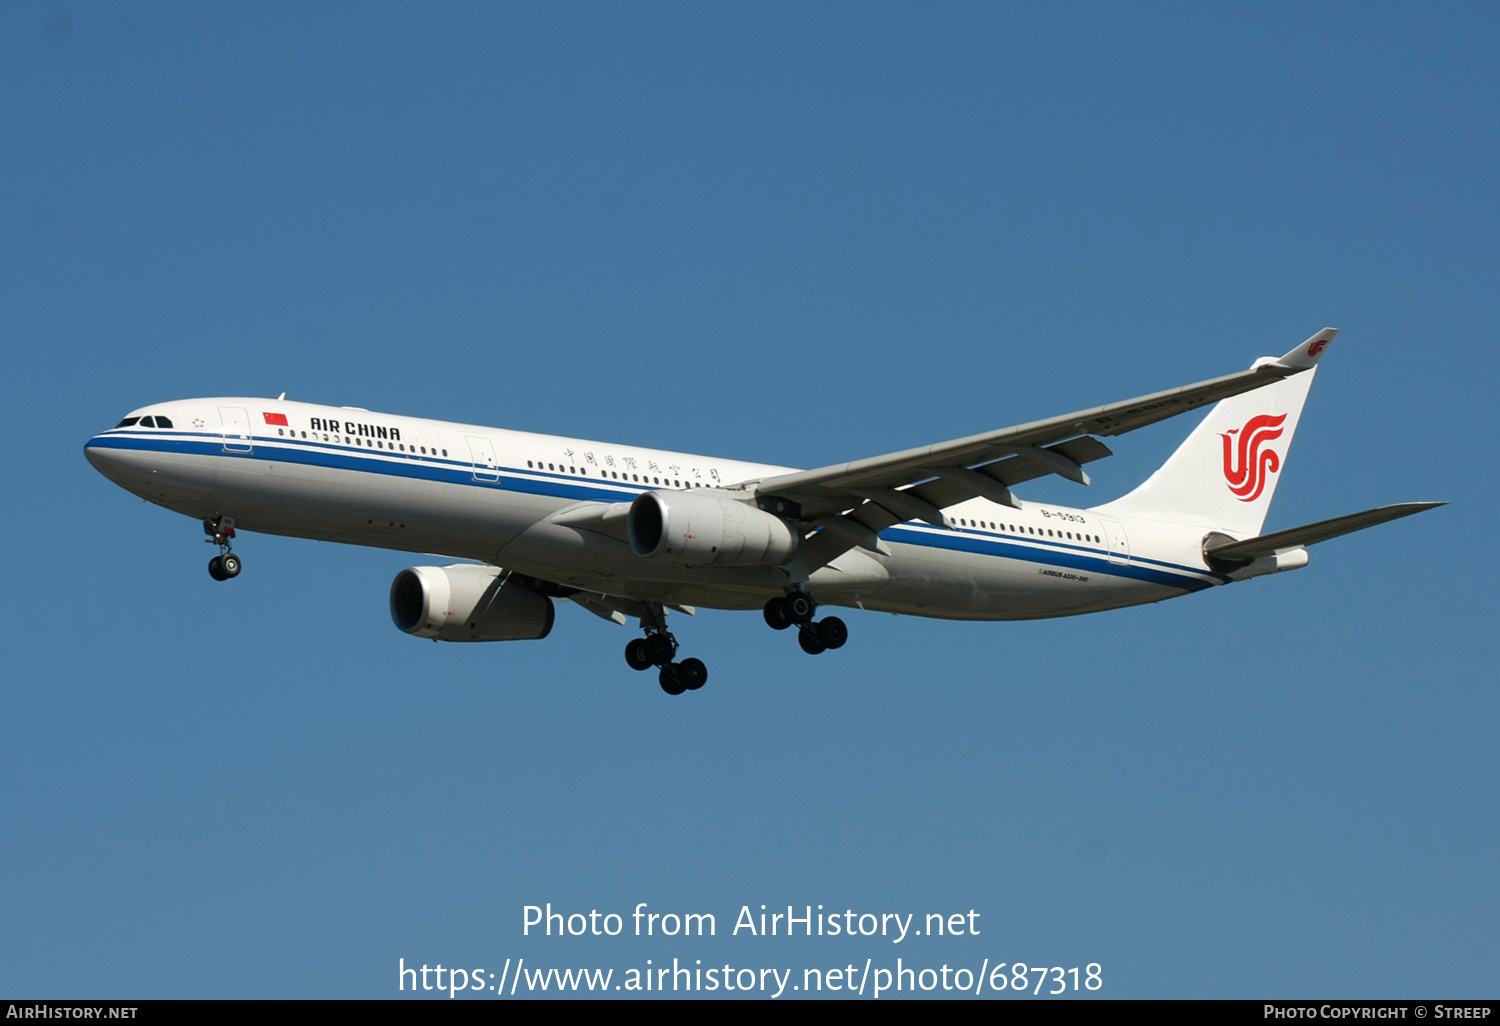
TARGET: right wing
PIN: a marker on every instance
(854, 502)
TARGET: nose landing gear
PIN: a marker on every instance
(658, 648)
(226, 564)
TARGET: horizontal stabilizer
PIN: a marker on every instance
(1223, 549)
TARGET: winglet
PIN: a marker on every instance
(1307, 354)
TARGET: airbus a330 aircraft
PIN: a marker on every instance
(626, 532)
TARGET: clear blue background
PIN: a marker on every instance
(776, 232)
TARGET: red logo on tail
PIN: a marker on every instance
(1247, 478)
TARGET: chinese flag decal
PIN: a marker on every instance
(276, 419)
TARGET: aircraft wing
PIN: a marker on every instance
(855, 501)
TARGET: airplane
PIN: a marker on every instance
(632, 533)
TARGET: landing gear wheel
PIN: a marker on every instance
(776, 616)
(832, 632)
(220, 531)
(635, 655)
(659, 649)
(692, 674)
(800, 607)
(671, 682)
(807, 637)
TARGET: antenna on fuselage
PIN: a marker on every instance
(281, 397)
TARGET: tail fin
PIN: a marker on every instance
(1225, 474)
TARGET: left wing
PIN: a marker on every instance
(854, 502)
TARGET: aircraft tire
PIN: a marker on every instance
(658, 649)
(216, 569)
(800, 607)
(832, 632)
(810, 644)
(692, 674)
(776, 616)
(229, 563)
(671, 683)
(635, 655)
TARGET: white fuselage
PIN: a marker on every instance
(349, 475)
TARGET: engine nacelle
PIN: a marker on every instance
(697, 529)
(466, 602)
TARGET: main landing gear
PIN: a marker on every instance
(658, 648)
(796, 609)
(226, 564)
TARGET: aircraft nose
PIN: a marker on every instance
(94, 453)
(112, 462)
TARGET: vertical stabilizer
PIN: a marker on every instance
(1224, 475)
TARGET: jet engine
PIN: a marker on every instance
(697, 529)
(466, 602)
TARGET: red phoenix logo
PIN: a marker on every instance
(1317, 347)
(1247, 477)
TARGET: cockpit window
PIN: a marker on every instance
(163, 422)
(127, 422)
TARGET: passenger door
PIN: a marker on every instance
(235, 423)
(483, 454)
(1119, 545)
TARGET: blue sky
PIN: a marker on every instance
(789, 233)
